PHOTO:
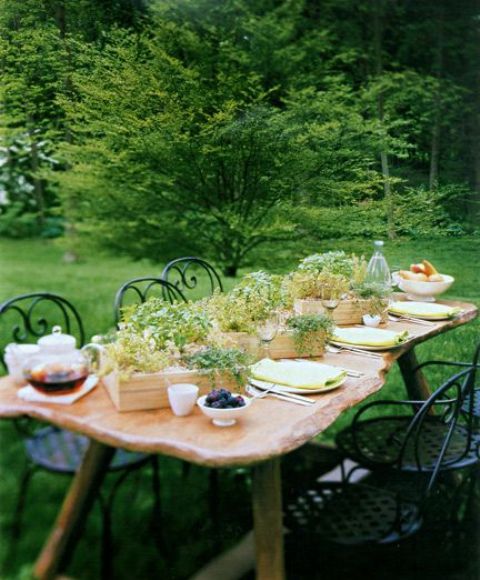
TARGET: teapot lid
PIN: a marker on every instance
(57, 340)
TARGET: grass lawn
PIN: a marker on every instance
(91, 284)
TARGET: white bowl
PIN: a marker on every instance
(224, 417)
(424, 291)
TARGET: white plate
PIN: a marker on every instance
(278, 388)
(365, 346)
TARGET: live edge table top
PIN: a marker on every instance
(271, 427)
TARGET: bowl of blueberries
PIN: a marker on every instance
(224, 407)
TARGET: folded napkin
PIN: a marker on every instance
(426, 309)
(297, 374)
(370, 336)
(30, 394)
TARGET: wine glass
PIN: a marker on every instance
(267, 330)
(330, 296)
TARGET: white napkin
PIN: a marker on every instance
(30, 394)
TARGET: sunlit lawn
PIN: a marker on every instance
(91, 285)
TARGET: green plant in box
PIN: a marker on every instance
(375, 297)
(324, 275)
(226, 360)
(169, 326)
(248, 303)
(310, 332)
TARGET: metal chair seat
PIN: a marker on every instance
(378, 443)
(63, 451)
(352, 514)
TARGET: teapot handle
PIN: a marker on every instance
(94, 352)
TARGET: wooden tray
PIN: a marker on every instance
(142, 392)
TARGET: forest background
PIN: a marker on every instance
(230, 129)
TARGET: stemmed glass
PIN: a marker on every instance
(330, 296)
(267, 330)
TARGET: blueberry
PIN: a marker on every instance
(240, 401)
(216, 405)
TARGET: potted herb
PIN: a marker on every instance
(324, 277)
(311, 333)
(374, 300)
(159, 344)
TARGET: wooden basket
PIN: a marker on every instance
(347, 311)
(146, 391)
(282, 346)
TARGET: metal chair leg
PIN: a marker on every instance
(18, 513)
(22, 493)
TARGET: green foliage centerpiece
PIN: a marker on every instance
(159, 344)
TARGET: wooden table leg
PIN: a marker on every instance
(415, 382)
(267, 520)
(78, 501)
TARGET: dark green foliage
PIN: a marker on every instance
(167, 127)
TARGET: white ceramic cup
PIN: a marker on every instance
(16, 355)
(182, 397)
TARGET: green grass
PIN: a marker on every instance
(91, 284)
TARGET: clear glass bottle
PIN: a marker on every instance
(378, 271)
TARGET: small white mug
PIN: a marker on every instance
(182, 398)
(372, 321)
(16, 355)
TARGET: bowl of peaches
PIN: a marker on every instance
(422, 282)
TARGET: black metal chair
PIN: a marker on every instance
(50, 448)
(186, 273)
(139, 290)
(379, 510)
(469, 406)
(375, 442)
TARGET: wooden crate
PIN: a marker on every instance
(282, 346)
(142, 392)
(347, 311)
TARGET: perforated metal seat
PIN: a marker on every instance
(352, 514)
(379, 441)
(409, 452)
(63, 451)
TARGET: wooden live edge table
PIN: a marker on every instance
(270, 429)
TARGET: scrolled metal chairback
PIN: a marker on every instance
(185, 274)
(34, 315)
(140, 289)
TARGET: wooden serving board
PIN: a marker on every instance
(282, 346)
(145, 391)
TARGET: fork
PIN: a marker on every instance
(338, 350)
(289, 397)
(399, 318)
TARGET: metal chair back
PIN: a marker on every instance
(453, 441)
(140, 289)
(187, 273)
(31, 316)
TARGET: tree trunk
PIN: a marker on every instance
(70, 255)
(230, 270)
(38, 188)
(435, 150)
(436, 128)
(378, 28)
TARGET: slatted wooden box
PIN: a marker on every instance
(282, 346)
(347, 311)
(144, 391)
